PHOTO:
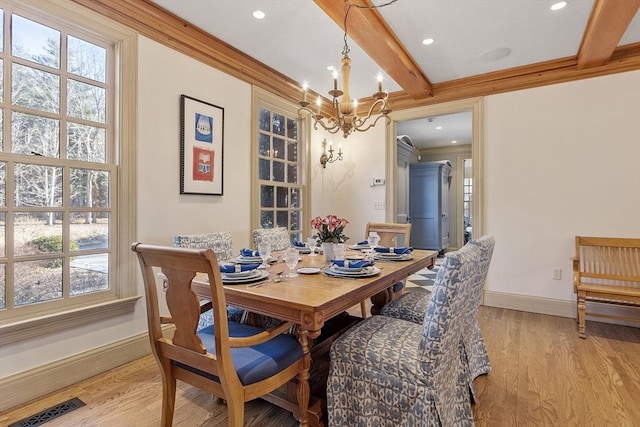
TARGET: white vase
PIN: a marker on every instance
(327, 250)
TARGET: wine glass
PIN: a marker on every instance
(264, 249)
(373, 241)
(311, 242)
(291, 256)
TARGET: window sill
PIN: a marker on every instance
(44, 325)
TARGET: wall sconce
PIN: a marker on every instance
(324, 158)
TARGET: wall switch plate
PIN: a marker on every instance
(556, 274)
(378, 206)
(377, 181)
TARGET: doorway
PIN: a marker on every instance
(395, 173)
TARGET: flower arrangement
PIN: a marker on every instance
(329, 229)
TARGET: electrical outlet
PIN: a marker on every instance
(556, 274)
(378, 206)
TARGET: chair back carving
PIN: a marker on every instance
(203, 358)
(390, 233)
(278, 237)
(220, 242)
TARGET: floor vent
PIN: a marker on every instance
(49, 414)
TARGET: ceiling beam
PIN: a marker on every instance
(607, 24)
(367, 28)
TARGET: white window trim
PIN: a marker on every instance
(126, 296)
(263, 98)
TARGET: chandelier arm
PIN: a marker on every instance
(358, 129)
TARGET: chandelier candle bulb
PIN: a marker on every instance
(319, 103)
(335, 80)
(379, 82)
(305, 86)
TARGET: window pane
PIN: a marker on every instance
(278, 148)
(1, 84)
(89, 273)
(292, 173)
(37, 233)
(37, 281)
(296, 224)
(278, 124)
(89, 188)
(35, 89)
(264, 120)
(264, 145)
(264, 169)
(86, 101)
(90, 230)
(292, 151)
(3, 235)
(34, 134)
(281, 197)
(35, 42)
(266, 219)
(86, 59)
(3, 184)
(278, 172)
(295, 198)
(38, 185)
(3, 286)
(292, 129)
(266, 196)
(282, 219)
(86, 143)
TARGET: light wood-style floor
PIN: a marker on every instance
(543, 375)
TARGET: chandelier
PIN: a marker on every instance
(345, 117)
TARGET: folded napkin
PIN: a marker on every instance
(398, 251)
(298, 244)
(237, 268)
(351, 263)
(363, 243)
(249, 252)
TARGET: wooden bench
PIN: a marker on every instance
(606, 270)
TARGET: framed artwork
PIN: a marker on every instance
(201, 147)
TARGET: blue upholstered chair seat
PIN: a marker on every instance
(255, 363)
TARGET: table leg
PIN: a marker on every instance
(303, 378)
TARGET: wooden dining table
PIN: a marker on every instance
(311, 301)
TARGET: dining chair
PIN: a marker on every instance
(233, 361)
(390, 372)
(413, 305)
(222, 245)
(278, 237)
(391, 234)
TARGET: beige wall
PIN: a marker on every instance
(560, 161)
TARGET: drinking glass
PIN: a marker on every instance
(311, 242)
(339, 250)
(264, 249)
(291, 256)
(373, 241)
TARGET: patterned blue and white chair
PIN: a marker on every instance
(278, 237)
(391, 372)
(222, 246)
(413, 305)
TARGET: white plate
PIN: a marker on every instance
(359, 247)
(308, 270)
(258, 275)
(393, 257)
(239, 274)
(354, 257)
(350, 270)
(365, 272)
(303, 250)
(253, 260)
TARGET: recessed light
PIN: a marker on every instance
(427, 41)
(331, 68)
(258, 14)
(438, 127)
(559, 5)
(454, 142)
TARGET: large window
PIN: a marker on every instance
(59, 166)
(280, 153)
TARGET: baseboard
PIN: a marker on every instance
(562, 308)
(34, 383)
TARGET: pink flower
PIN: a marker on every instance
(329, 228)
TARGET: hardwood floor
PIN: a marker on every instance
(543, 375)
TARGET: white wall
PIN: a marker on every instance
(560, 161)
(343, 188)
